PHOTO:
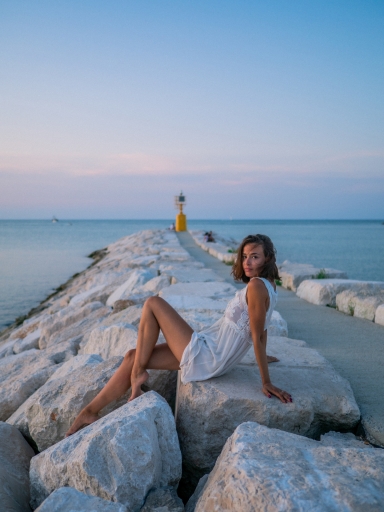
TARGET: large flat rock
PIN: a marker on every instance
(136, 278)
(262, 469)
(278, 326)
(56, 405)
(222, 249)
(79, 328)
(292, 274)
(362, 303)
(21, 375)
(111, 341)
(30, 341)
(130, 315)
(323, 292)
(67, 499)
(164, 499)
(15, 456)
(118, 458)
(200, 289)
(379, 315)
(191, 275)
(19, 418)
(117, 340)
(196, 303)
(64, 318)
(209, 411)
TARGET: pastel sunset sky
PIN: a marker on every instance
(268, 109)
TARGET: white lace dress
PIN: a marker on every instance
(217, 349)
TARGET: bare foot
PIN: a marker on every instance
(84, 419)
(137, 382)
(272, 359)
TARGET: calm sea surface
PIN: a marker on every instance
(38, 256)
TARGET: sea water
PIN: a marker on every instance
(38, 256)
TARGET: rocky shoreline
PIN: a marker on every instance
(138, 456)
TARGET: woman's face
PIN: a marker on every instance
(253, 259)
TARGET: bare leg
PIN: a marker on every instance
(157, 314)
(155, 357)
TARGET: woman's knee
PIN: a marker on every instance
(130, 356)
(152, 302)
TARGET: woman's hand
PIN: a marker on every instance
(270, 389)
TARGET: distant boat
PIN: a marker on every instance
(54, 219)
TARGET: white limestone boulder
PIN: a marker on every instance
(323, 292)
(29, 325)
(174, 255)
(111, 341)
(98, 293)
(104, 277)
(192, 502)
(67, 499)
(118, 458)
(78, 329)
(362, 304)
(15, 456)
(290, 352)
(199, 296)
(130, 315)
(190, 275)
(222, 249)
(64, 318)
(379, 315)
(143, 261)
(292, 274)
(21, 375)
(30, 341)
(196, 303)
(278, 326)
(163, 382)
(215, 290)
(19, 418)
(6, 349)
(156, 284)
(209, 411)
(266, 469)
(163, 499)
(79, 361)
(117, 340)
(347, 440)
(136, 278)
(56, 405)
(169, 267)
(200, 319)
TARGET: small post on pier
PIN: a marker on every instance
(181, 219)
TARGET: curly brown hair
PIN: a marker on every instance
(269, 271)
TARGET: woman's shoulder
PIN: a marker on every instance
(260, 283)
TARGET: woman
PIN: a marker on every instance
(213, 351)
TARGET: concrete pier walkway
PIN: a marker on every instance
(354, 346)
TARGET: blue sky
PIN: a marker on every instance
(255, 109)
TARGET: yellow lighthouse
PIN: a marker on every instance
(181, 219)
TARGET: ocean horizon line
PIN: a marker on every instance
(203, 219)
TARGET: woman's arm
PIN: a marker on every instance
(258, 300)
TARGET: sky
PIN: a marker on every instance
(255, 109)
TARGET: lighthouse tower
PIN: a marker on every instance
(181, 219)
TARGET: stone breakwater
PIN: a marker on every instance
(331, 287)
(137, 457)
